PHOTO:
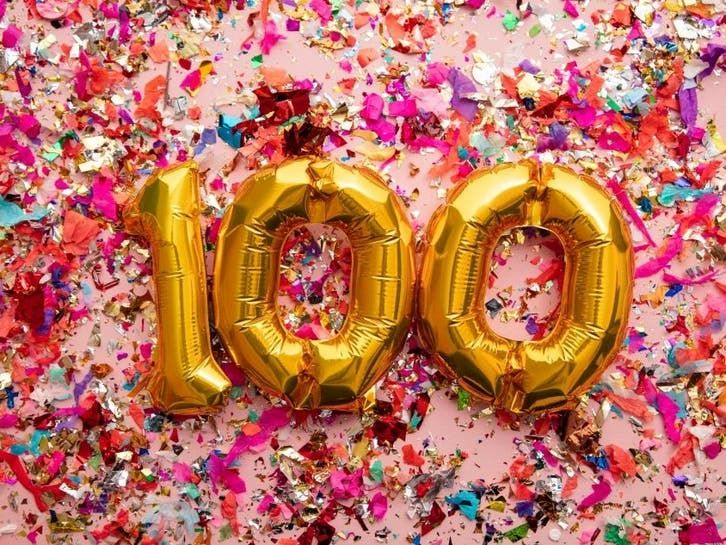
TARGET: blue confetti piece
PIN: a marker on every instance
(466, 501)
(18, 449)
(645, 205)
(675, 288)
(524, 508)
(601, 462)
(225, 130)
(672, 193)
(11, 214)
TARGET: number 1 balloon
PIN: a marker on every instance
(186, 378)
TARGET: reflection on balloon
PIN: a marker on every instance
(526, 376)
(186, 379)
(332, 373)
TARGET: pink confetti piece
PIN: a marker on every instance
(436, 73)
(570, 9)
(624, 200)
(668, 409)
(347, 485)
(584, 117)
(23, 83)
(323, 9)
(378, 506)
(707, 532)
(29, 125)
(192, 81)
(600, 491)
(712, 450)
(270, 37)
(221, 474)
(372, 107)
(103, 198)
(402, 108)
(270, 421)
(672, 248)
(8, 420)
(546, 453)
(613, 141)
(11, 36)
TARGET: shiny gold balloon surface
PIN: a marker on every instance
(332, 373)
(526, 376)
(186, 379)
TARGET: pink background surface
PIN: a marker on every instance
(490, 446)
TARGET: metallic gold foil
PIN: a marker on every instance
(332, 373)
(526, 376)
(186, 378)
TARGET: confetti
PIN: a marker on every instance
(96, 95)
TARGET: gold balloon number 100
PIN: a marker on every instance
(522, 376)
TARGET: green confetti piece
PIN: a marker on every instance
(53, 154)
(225, 532)
(415, 421)
(95, 461)
(235, 392)
(376, 471)
(463, 401)
(510, 122)
(66, 136)
(510, 20)
(256, 61)
(252, 416)
(535, 30)
(192, 491)
(613, 105)
(520, 532)
(612, 535)
(57, 374)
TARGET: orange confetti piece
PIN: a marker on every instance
(78, 232)
(367, 55)
(159, 52)
(276, 78)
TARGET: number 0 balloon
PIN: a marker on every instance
(336, 372)
(526, 376)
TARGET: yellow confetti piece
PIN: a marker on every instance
(715, 140)
(375, 152)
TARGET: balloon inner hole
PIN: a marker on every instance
(522, 300)
(314, 287)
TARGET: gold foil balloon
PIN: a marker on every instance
(526, 376)
(186, 379)
(332, 373)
